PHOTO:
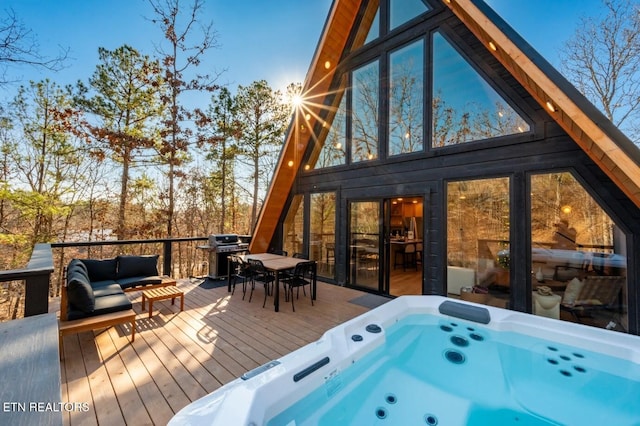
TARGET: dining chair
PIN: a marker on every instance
(408, 257)
(303, 275)
(238, 271)
(260, 274)
(419, 250)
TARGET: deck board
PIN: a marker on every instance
(178, 357)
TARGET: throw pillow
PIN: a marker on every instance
(571, 292)
(137, 266)
(101, 269)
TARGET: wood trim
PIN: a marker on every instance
(333, 41)
(598, 144)
(96, 322)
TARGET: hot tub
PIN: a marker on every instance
(431, 360)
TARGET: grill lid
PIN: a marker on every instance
(223, 239)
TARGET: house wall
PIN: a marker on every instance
(547, 148)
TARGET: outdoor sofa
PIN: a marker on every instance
(93, 294)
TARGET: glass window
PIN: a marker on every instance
(292, 228)
(579, 267)
(322, 241)
(364, 120)
(332, 152)
(406, 99)
(364, 243)
(374, 31)
(404, 10)
(464, 106)
(478, 240)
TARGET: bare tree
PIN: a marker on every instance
(603, 60)
(18, 46)
(179, 25)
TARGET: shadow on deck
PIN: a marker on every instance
(178, 357)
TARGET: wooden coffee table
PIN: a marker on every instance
(162, 293)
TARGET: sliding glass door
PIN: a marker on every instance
(364, 244)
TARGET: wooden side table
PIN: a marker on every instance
(162, 293)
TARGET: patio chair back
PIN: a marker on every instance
(303, 275)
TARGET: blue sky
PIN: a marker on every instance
(259, 39)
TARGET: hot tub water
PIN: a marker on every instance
(434, 371)
(429, 360)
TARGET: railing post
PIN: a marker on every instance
(166, 267)
(36, 295)
(36, 292)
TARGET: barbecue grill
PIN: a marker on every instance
(220, 247)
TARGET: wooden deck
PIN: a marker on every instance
(178, 357)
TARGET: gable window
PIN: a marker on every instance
(365, 101)
(406, 99)
(402, 11)
(464, 106)
(332, 151)
(374, 31)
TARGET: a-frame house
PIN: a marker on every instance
(436, 152)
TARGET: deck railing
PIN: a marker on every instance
(44, 272)
(36, 278)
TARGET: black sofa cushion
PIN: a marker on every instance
(137, 266)
(138, 281)
(104, 305)
(79, 292)
(101, 269)
(106, 289)
(111, 303)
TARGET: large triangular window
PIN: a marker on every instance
(464, 106)
(401, 11)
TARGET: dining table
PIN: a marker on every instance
(277, 264)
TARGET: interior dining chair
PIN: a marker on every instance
(408, 257)
(303, 275)
(260, 274)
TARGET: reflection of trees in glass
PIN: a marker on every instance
(464, 106)
(406, 100)
(323, 208)
(333, 149)
(473, 122)
(558, 196)
(365, 99)
(292, 226)
(364, 218)
(323, 223)
(476, 210)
